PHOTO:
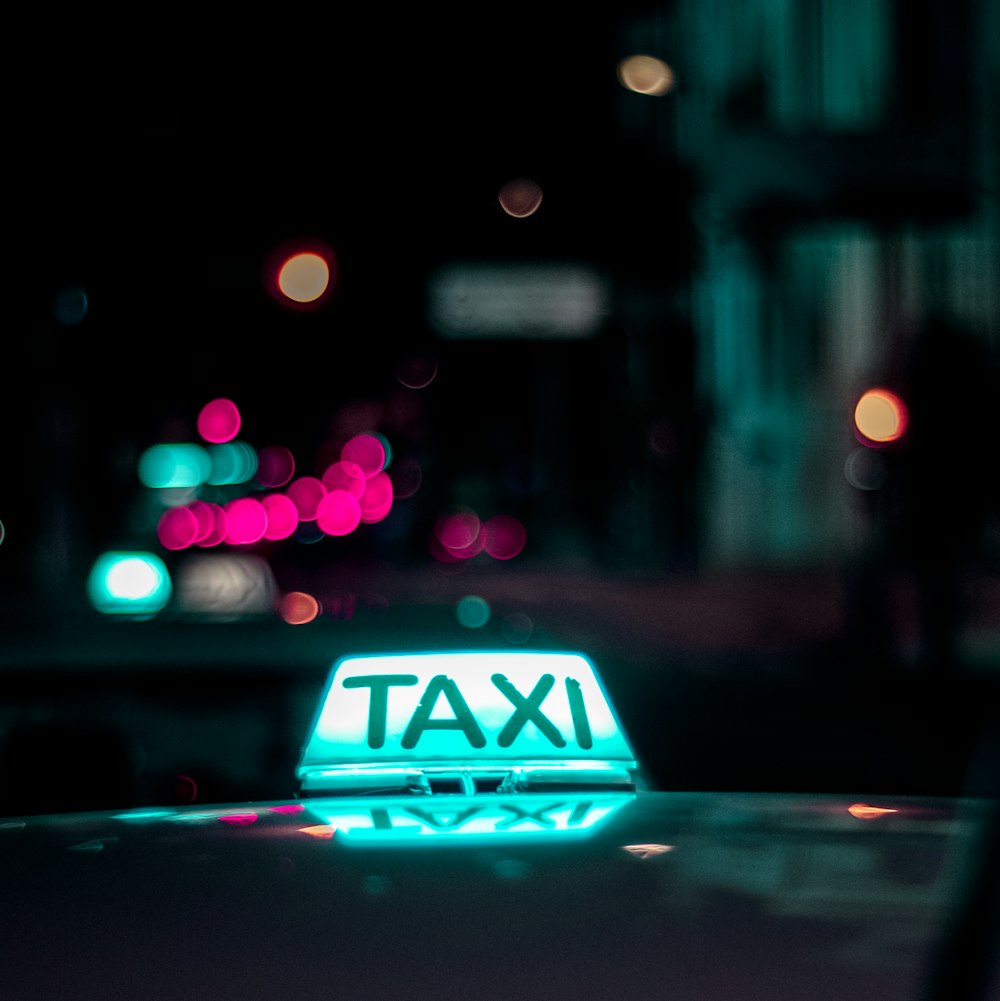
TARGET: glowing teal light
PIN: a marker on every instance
(500, 711)
(129, 583)
(143, 816)
(232, 462)
(399, 820)
(174, 465)
(173, 816)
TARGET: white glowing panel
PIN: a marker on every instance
(226, 585)
(465, 709)
(544, 301)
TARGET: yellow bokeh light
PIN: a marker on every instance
(880, 415)
(646, 75)
(304, 277)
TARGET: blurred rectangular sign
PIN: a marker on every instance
(546, 301)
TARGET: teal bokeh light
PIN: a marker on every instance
(70, 305)
(472, 611)
(129, 583)
(174, 465)
(232, 462)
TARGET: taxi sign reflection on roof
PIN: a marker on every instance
(393, 720)
(387, 821)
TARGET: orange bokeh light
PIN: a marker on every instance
(880, 416)
(865, 812)
(298, 608)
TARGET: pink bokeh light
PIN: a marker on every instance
(376, 501)
(246, 521)
(204, 514)
(282, 516)
(239, 819)
(217, 534)
(177, 528)
(366, 451)
(504, 536)
(219, 421)
(307, 493)
(345, 475)
(460, 534)
(339, 513)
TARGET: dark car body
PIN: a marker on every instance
(557, 882)
(659, 895)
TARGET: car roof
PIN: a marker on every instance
(700, 895)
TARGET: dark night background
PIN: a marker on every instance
(761, 622)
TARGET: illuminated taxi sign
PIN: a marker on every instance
(461, 819)
(467, 710)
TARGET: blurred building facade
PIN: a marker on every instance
(846, 176)
(757, 244)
